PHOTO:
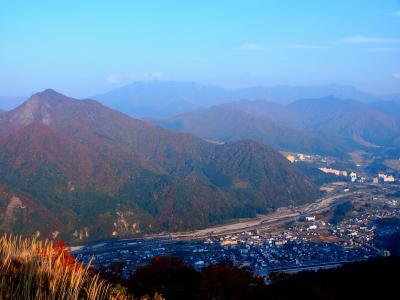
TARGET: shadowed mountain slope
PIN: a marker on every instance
(327, 126)
(258, 120)
(347, 118)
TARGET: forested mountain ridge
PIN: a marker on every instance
(78, 169)
(327, 126)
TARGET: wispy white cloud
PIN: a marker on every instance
(305, 46)
(384, 50)
(152, 76)
(253, 47)
(397, 13)
(359, 39)
(113, 79)
(259, 47)
(123, 79)
(396, 76)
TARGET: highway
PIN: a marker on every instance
(332, 199)
(309, 267)
(261, 221)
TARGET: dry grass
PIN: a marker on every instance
(33, 269)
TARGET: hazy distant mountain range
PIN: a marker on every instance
(328, 126)
(362, 122)
(80, 170)
(389, 107)
(392, 97)
(166, 98)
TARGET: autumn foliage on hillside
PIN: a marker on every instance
(74, 162)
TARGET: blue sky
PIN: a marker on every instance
(85, 47)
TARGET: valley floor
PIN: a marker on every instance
(318, 235)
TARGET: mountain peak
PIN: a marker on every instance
(50, 95)
(37, 108)
(49, 91)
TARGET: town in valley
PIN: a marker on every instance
(352, 221)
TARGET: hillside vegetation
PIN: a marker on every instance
(79, 171)
(327, 126)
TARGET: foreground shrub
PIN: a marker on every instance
(177, 280)
(374, 279)
(225, 281)
(166, 275)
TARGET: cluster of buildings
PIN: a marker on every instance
(334, 171)
(295, 157)
(384, 177)
(259, 252)
(323, 165)
(286, 250)
(381, 178)
(352, 175)
(309, 242)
